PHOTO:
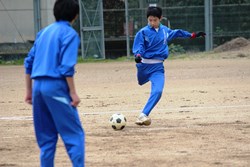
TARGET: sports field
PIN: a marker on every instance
(203, 118)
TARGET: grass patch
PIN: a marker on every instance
(19, 61)
(92, 60)
(12, 62)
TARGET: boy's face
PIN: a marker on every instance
(154, 21)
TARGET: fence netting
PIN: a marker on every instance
(229, 21)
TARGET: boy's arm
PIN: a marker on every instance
(28, 83)
(69, 52)
(28, 64)
(28, 61)
(138, 46)
(178, 33)
(72, 91)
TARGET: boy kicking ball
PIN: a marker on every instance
(151, 49)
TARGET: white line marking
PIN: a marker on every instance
(17, 118)
(168, 109)
(17, 136)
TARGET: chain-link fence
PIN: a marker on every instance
(229, 21)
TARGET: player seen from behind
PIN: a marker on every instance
(50, 64)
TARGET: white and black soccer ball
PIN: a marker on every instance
(118, 121)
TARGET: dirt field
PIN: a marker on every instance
(203, 118)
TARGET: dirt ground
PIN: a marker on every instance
(203, 118)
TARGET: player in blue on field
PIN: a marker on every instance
(151, 49)
(51, 65)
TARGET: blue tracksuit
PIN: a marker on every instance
(51, 59)
(152, 44)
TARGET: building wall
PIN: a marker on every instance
(17, 19)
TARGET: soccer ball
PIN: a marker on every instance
(118, 121)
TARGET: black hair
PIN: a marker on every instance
(66, 10)
(154, 11)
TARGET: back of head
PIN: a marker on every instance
(154, 11)
(66, 10)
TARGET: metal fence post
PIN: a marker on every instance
(209, 24)
(127, 29)
(37, 16)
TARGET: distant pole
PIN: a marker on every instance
(127, 28)
(209, 24)
(37, 16)
(102, 32)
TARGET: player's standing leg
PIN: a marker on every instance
(157, 85)
(66, 119)
(45, 130)
(155, 74)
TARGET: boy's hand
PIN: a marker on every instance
(75, 99)
(198, 34)
(138, 58)
(28, 98)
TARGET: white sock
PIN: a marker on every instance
(142, 115)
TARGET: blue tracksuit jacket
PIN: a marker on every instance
(151, 44)
(51, 58)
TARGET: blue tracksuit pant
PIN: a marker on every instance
(54, 115)
(155, 74)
